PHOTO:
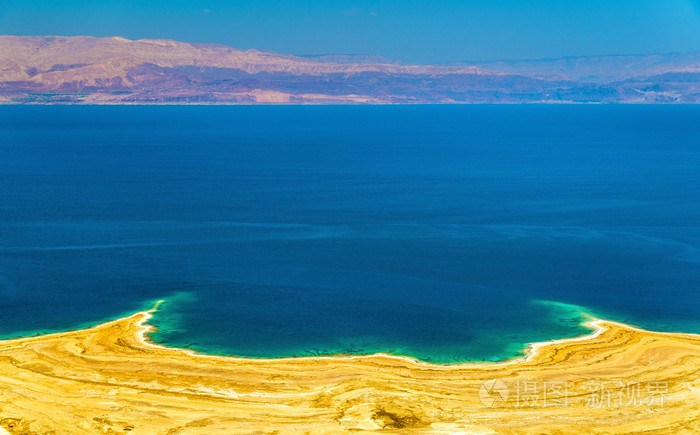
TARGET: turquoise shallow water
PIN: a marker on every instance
(430, 231)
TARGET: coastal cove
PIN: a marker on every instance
(60, 382)
(425, 231)
(572, 319)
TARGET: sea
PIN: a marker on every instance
(447, 233)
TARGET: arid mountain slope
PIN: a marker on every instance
(83, 69)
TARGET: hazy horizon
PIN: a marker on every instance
(378, 55)
(413, 31)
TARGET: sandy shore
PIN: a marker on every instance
(110, 379)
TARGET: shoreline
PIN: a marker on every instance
(512, 350)
(111, 378)
(526, 352)
(594, 324)
(147, 329)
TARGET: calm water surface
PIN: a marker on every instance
(433, 231)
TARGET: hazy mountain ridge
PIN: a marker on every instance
(362, 59)
(118, 70)
(597, 69)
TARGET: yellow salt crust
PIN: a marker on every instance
(110, 379)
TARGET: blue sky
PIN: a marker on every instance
(410, 30)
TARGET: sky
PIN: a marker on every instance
(420, 31)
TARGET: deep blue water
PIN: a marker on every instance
(423, 230)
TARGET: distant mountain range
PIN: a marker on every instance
(81, 69)
(598, 69)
